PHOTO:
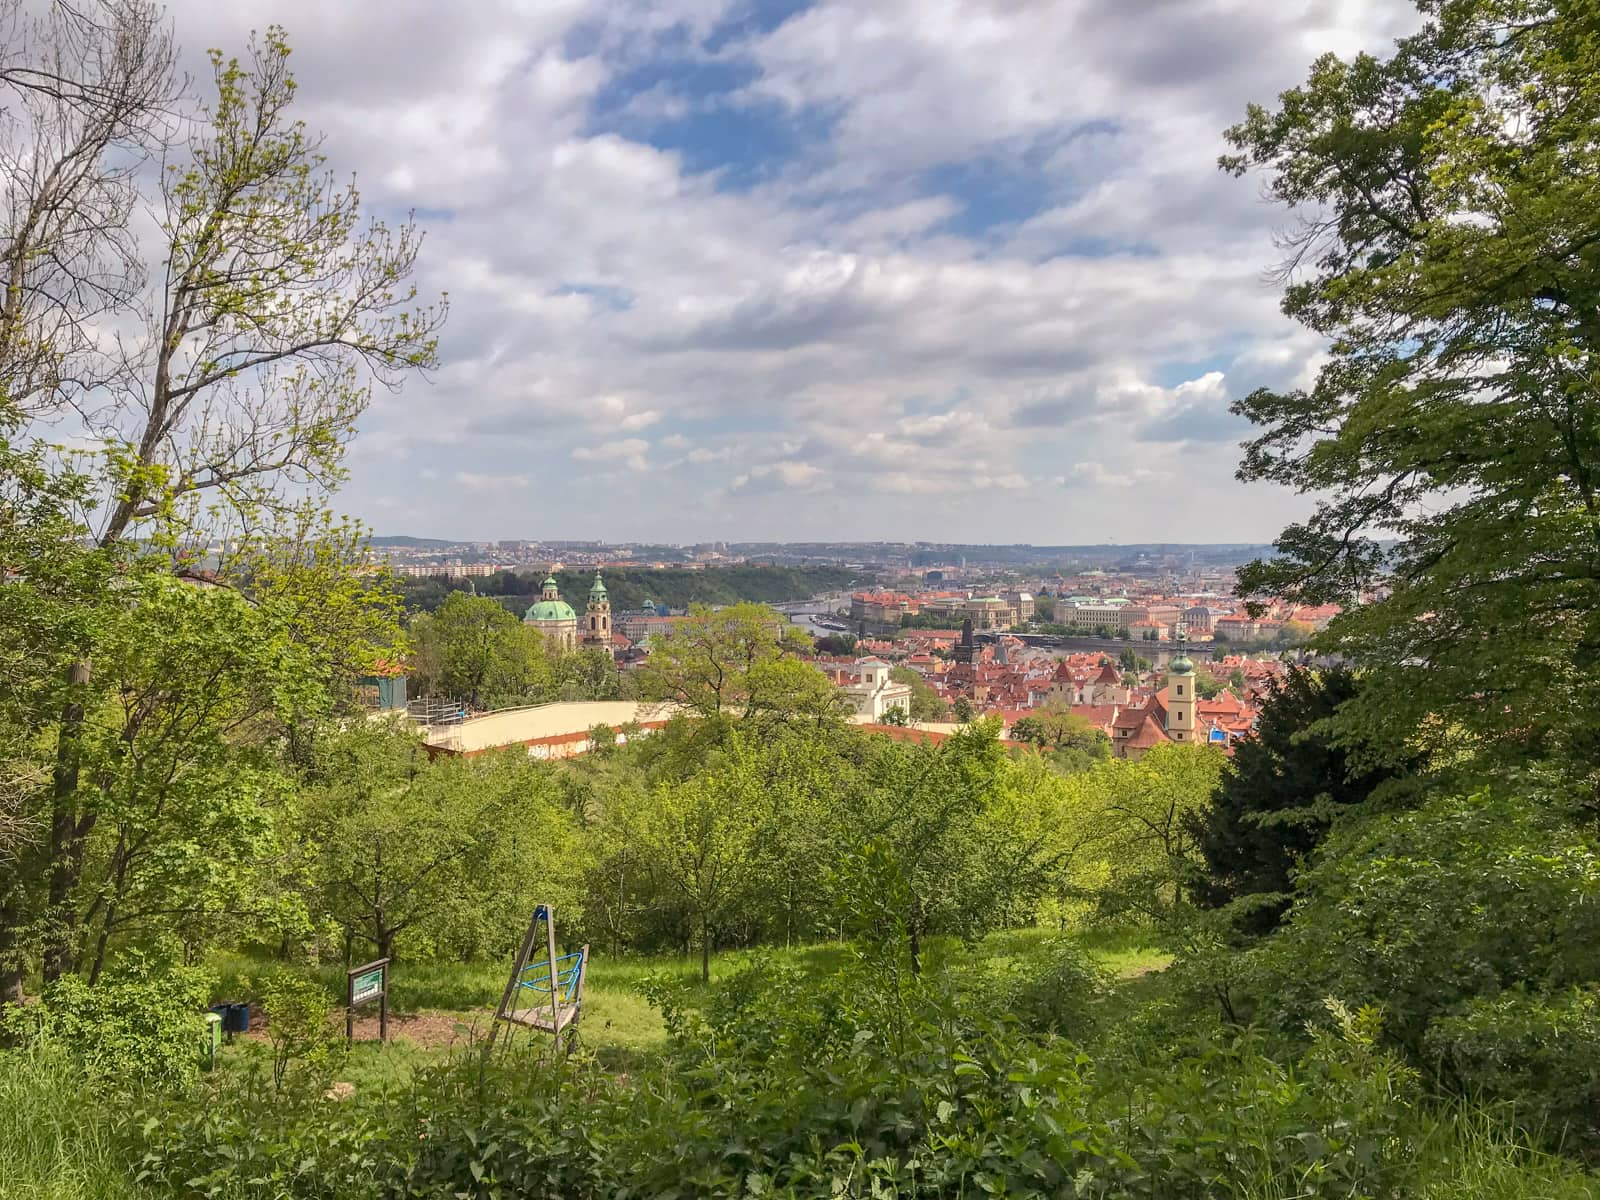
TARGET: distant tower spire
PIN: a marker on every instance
(597, 616)
(1181, 696)
(966, 652)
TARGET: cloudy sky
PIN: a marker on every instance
(856, 269)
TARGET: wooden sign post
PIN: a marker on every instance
(364, 984)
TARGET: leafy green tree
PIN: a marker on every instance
(704, 837)
(962, 710)
(471, 649)
(935, 828)
(1143, 812)
(1056, 726)
(1425, 911)
(274, 312)
(925, 702)
(836, 643)
(181, 755)
(589, 673)
(1447, 245)
(741, 661)
(436, 857)
(1286, 786)
(306, 1048)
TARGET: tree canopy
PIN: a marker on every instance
(1447, 245)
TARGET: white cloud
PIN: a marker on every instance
(969, 277)
(778, 474)
(493, 485)
(629, 451)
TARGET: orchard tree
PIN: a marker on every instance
(933, 845)
(704, 838)
(436, 857)
(1447, 248)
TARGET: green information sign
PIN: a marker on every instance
(365, 987)
(370, 981)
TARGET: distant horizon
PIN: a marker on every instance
(842, 542)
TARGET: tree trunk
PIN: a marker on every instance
(67, 831)
(11, 961)
(705, 952)
(915, 936)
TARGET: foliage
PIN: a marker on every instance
(1535, 1053)
(1057, 727)
(1448, 239)
(677, 588)
(1143, 814)
(1410, 911)
(221, 415)
(1285, 788)
(140, 1027)
(1060, 992)
(741, 660)
(472, 650)
(925, 702)
(300, 1031)
(705, 836)
(418, 855)
(788, 1086)
(930, 836)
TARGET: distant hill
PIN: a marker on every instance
(676, 587)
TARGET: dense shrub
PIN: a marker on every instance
(1469, 922)
(139, 1025)
(1424, 912)
(1538, 1053)
(1060, 991)
(787, 1087)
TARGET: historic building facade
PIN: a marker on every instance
(554, 619)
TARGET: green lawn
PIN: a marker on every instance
(454, 1002)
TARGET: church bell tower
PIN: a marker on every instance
(1180, 693)
(597, 616)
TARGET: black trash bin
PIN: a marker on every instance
(235, 1017)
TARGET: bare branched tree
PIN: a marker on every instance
(86, 94)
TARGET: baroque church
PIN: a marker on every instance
(557, 623)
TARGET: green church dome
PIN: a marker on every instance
(1181, 663)
(598, 591)
(550, 610)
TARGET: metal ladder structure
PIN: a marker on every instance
(545, 991)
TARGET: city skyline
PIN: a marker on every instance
(733, 270)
